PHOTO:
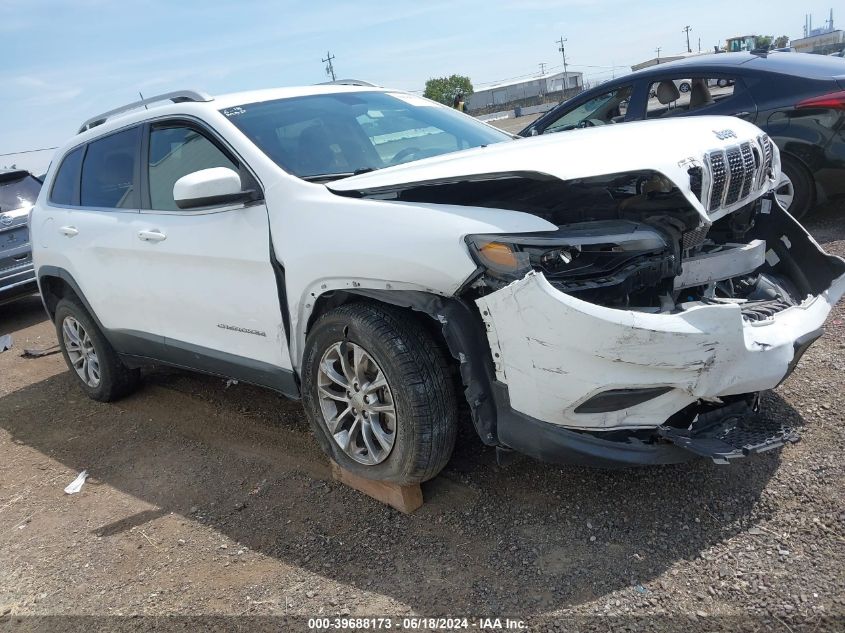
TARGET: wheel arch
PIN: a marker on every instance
(56, 283)
(455, 324)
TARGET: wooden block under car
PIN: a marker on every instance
(404, 498)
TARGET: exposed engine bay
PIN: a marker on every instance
(634, 242)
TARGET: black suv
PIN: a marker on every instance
(797, 98)
(18, 191)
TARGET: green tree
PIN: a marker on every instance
(781, 42)
(445, 89)
(762, 41)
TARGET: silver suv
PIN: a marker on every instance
(18, 191)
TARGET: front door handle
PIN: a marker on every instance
(152, 235)
(69, 231)
(742, 114)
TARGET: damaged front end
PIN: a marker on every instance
(644, 328)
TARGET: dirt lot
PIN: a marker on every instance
(214, 501)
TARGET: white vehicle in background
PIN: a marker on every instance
(617, 295)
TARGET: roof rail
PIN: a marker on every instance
(179, 96)
(348, 82)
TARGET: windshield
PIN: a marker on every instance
(18, 190)
(320, 137)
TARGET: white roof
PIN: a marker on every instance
(166, 107)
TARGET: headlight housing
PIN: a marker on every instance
(588, 252)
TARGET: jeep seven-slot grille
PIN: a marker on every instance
(749, 168)
(717, 164)
(736, 173)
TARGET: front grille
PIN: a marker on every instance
(748, 167)
(720, 177)
(736, 173)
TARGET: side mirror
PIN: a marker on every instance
(534, 131)
(207, 187)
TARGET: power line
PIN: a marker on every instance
(30, 151)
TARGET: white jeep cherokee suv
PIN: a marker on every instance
(614, 295)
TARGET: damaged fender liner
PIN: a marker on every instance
(465, 336)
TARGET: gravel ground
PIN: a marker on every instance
(206, 502)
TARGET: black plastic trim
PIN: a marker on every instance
(618, 399)
(142, 348)
(465, 337)
(552, 443)
(245, 196)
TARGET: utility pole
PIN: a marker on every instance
(542, 66)
(657, 50)
(562, 50)
(329, 66)
(699, 44)
(686, 30)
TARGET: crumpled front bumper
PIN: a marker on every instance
(555, 352)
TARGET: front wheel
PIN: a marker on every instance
(378, 393)
(795, 189)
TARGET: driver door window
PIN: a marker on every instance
(175, 152)
(610, 107)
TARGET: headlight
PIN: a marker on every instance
(577, 251)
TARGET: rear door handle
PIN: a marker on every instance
(69, 231)
(742, 114)
(151, 236)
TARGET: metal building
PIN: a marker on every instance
(508, 92)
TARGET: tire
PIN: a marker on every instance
(412, 444)
(684, 87)
(113, 379)
(803, 188)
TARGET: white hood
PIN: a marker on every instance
(670, 147)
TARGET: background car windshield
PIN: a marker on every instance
(18, 190)
(344, 133)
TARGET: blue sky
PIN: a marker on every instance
(63, 62)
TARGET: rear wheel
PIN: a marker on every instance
(378, 393)
(795, 191)
(92, 360)
(684, 87)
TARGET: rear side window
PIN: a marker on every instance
(108, 171)
(66, 184)
(677, 97)
(176, 152)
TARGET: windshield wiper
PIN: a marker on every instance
(338, 176)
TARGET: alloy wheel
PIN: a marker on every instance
(785, 192)
(81, 352)
(356, 403)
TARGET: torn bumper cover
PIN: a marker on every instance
(576, 381)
